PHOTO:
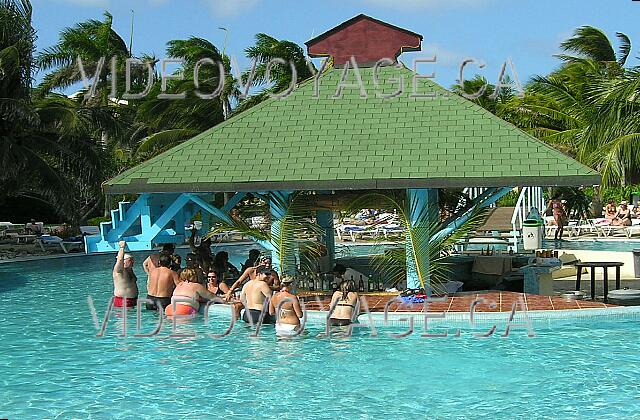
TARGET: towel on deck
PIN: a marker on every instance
(492, 265)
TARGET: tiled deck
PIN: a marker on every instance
(497, 302)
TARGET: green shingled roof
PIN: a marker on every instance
(305, 142)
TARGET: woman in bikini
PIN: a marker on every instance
(559, 216)
(287, 307)
(215, 286)
(345, 301)
(623, 216)
(190, 293)
(610, 210)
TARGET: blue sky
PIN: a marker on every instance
(528, 32)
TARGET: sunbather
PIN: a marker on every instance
(623, 216)
(610, 210)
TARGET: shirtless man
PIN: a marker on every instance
(153, 260)
(125, 288)
(256, 292)
(162, 281)
(250, 273)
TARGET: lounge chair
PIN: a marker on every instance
(634, 229)
(90, 230)
(390, 229)
(352, 231)
(56, 241)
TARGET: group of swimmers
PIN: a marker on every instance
(180, 291)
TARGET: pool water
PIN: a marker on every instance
(53, 366)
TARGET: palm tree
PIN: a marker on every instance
(22, 149)
(266, 49)
(91, 41)
(47, 143)
(162, 124)
(429, 244)
(588, 107)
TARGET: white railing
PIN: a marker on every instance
(529, 198)
(475, 192)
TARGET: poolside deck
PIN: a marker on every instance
(497, 302)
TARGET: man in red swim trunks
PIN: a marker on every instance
(125, 287)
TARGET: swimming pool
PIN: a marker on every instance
(52, 365)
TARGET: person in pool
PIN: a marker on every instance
(190, 292)
(224, 267)
(346, 302)
(162, 282)
(153, 260)
(192, 263)
(287, 307)
(215, 285)
(125, 286)
(254, 254)
(251, 273)
(255, 293)
(202, 251)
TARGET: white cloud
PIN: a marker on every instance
(424, 4)
(229, 8)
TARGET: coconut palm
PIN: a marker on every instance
(48, 142)
(23, 147)
(587, 108)
(161, 123)
(91, 41)
(426, 239)
(266, 49)
(294, 238)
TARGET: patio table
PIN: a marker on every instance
(605, 266)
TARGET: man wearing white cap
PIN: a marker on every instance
(125, 287)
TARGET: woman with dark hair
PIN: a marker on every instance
(345, 302)
(215, 286)
(559, 215)
(225, 269)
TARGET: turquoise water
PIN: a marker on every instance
(53, 366)
(594, 245)
(591, 244)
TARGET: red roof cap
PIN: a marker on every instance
(366, 39)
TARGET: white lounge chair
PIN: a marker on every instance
(391, 229)
(90, 230)
(56, 241)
